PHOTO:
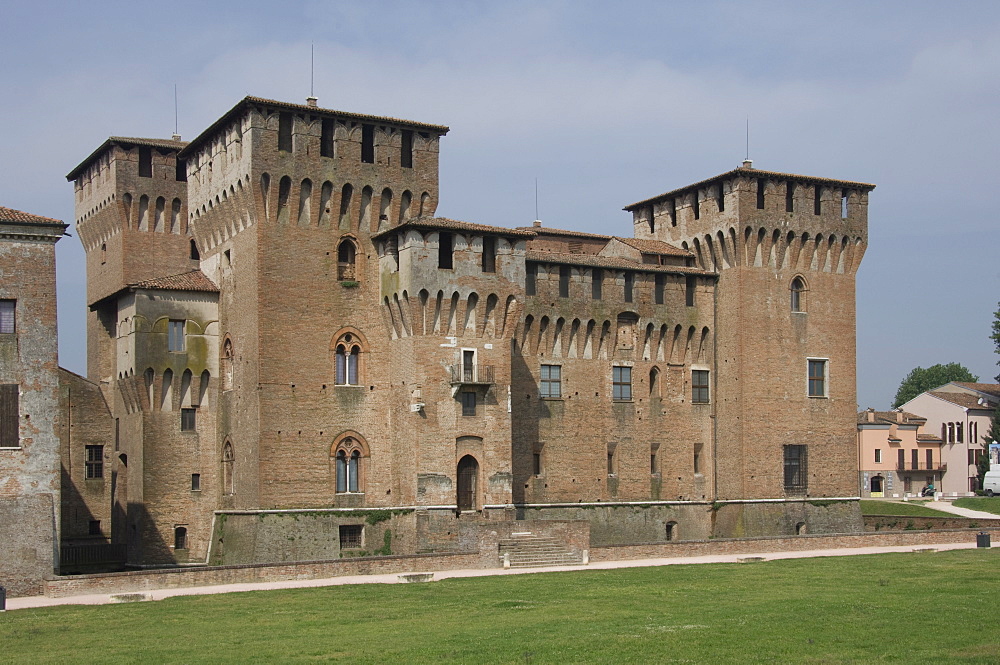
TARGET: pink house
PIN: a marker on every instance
(961, 413)
(896, 457)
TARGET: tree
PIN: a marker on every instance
(993, 435)
(921, 380)
(996, 336)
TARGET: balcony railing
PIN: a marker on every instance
(472, 374)
(921, 466)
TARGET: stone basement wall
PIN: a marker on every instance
(789, 544)
(179, 578)
(175, 578)
(909, 523)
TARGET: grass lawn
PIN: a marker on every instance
(909, 509)
(985, 503)
(890, 608)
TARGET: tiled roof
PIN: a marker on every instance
(965, 400)
(445, 223)
(195, 280)
(988, 388)
(170, 144)
(889, 418)
(930, 438)
(548, 231)
(654, 247)
(608, 262)
(246, 101)
(751, 173)
(11, 216)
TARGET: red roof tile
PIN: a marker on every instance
(654, 247)
(445, 223)
(195, 280)
(11, 216)
(614, 262)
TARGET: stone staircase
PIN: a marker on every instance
(527, 550)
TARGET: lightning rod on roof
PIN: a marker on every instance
(537, 221)
(177, 135)
(311, 99)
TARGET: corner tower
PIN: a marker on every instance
(786, 248)
(130, 199)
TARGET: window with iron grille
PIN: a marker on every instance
(468, 403)
(351, 536)
(699, 386)
(795, 467)
(10, 413)
(95, 461)
(817, 378)
(621, 383)
(550, 381)
(7, 308)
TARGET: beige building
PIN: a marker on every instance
(961, 413)
(897, 458)
(302, 361)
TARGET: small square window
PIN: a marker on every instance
(817, 378)
(468, 403)
(7, 308)
(550, 381)
(621, 384)
(351, 536)
(95, 461)
(188, 419)
(195, 482)
(699, 386)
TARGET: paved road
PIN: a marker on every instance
(394, 578)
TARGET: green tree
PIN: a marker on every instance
(921, 380)
(993, 435)
(996, 336)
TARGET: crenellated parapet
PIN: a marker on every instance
(748, 217)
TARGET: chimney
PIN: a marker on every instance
(311, 101)
(748, 163)
(870, 413)
(176, 137)
(899, 416)
(538, 222)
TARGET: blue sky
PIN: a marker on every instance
(604, 104)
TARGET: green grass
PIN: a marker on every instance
(909, 509)
(857, 609)
(984, 503)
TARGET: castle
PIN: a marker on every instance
(299, 360)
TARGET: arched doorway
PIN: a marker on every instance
(876, 486)
(468, 473)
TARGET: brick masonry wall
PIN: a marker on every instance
(29, 469)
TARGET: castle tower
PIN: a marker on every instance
(130, 200)
(786, 249)
(285, 199)
(151, 345)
